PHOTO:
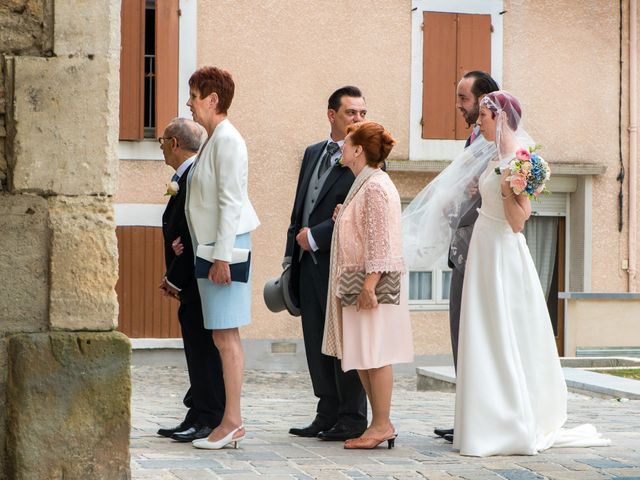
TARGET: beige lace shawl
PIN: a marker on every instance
(367, 236)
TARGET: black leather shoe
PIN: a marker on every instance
(193, 433)
(441, 432)
(167, 432)
(340, 432)
(310, 430)
(448, 438)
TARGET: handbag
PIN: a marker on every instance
(387, 290)
(239, 266)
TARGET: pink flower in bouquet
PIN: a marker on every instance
(523, 154)
(539, 190)
(518, 183)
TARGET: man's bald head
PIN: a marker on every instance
(188, 133)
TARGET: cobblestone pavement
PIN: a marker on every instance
(273, 402)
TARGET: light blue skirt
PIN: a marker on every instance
(226, 306)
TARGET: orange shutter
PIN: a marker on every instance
(454, 44)
(132, 69)
(144, 311)
(167, 41)
(439, 75)
(473, 53)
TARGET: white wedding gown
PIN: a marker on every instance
(511, 395)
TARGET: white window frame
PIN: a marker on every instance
(138, 214)
(148, 149)
(419, 148)
(437, 302)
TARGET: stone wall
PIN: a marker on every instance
(58, 252)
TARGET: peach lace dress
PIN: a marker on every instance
(368, 236)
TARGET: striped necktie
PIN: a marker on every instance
(325, 163)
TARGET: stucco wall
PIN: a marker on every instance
(602, 323)
(563, 63)
(287, 56)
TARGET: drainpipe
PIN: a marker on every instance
(633, 141)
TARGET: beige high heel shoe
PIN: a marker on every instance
(368, 443)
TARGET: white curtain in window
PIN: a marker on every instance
(420, 286)
(542, 237)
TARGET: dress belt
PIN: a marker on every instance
(491, 217)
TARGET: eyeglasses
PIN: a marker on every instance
(161, 140)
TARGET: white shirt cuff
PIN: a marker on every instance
(312, 242)
(171, 284)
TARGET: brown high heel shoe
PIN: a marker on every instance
(368, 443)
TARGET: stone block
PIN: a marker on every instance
(84, 264)
(24, 263)
(3, 404)
(25, 25)
(3, 163)
(63, 112)
(86, 27)
(68, 413)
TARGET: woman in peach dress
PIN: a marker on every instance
(369, 336)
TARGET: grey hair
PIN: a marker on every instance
(188, 133)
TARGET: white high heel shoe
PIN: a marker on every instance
(205, 444)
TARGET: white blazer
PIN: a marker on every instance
(217, 204)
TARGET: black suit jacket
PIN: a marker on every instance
(333, 191)
(180, 270)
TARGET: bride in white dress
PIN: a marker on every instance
(511, 395)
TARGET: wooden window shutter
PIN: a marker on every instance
(132, 69)
(473, 53)
(453, 44)
(439, 75)
(167, 42)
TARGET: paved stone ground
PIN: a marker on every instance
(272, 402)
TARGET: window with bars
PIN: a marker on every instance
(148, 67)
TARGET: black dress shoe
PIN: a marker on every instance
(310, 430)
(448, 438)
(340, 432)
(167, 432)
(441, 432)
(193, 433)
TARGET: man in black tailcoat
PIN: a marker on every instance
(205, 398)
(322, 184)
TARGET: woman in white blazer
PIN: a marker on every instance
(220, 218)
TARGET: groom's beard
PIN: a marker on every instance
(471, 116)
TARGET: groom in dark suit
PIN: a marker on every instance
(471, 88)
(322, 184)
(205, 398)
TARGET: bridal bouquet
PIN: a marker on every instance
(528, 173)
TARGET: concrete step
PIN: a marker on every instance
(443, 379)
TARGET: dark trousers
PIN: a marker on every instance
(341, 396)
(205, 398)
(455, 303)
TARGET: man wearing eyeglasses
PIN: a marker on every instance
(205, 398)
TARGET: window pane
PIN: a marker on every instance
(150, 71)
(420, 286)
(446, 284)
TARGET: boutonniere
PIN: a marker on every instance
(172, 189)
(339, 161)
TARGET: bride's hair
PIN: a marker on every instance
(376, 141)
(505, 102)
